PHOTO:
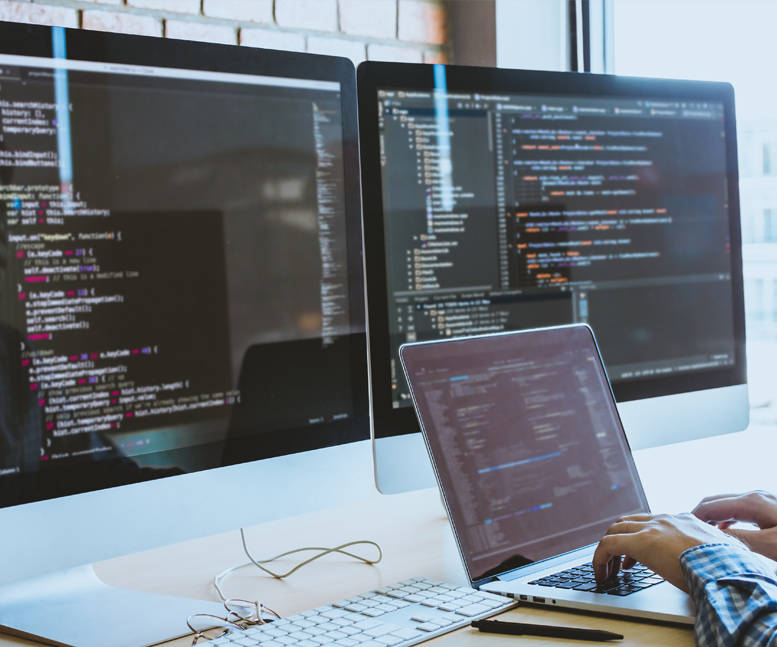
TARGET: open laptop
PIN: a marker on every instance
(534, 466)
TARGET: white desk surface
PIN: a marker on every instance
(416, 538)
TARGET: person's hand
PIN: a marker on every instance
(758, 507)
(656, 541)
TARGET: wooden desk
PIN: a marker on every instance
(416, 538)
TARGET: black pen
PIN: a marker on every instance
(521, 629)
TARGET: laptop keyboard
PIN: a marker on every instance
(581, 578)
(398, 615)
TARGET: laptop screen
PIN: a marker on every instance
(527, 443)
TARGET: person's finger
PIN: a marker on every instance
(626, 526)
(607, 556)
(628, 562)
(757, 507)
(637, 517)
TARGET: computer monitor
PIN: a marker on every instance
(183, 346)
(498, 199)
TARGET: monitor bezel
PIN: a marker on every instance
(372, 76)
(36, 41)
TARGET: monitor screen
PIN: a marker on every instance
(527, 444)
(513, 200)
(181, 279)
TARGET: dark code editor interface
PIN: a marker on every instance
(158, 227)
(527, 443)
(513, 212)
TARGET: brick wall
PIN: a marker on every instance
(381, 30)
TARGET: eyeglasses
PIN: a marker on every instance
(241, 615)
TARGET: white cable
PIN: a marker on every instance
(322, 552)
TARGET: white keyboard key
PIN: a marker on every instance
(429, 602)
(343, 622)
(456, 594)
(407, 582)
(282, 622)
(400, 604)
(406, 634)
(372, 643)
(490, 604)
(317, 620)
(219, 641)
(472, 610)
(307, 614)
(381, 630)
(389, 640)
(326, 607)
(386, 607)
(346, 642)
(340, 604)
(396, 593)
(450, 606)
(414, 598)
(314, 631)
(428, 626)
(356, 608)
(294, 618)
(306, 643)
(286, 640)
(360, 638)
(275, 633)
(442, 622)
(437, 589)
(369, 603)
(243, 642)
(383, 590)
(322, 640)
(367, 624)
(433, 582)
(495, 597)
(448, 598)
(355, 598)
(336, 635)
(349, 631)
(329, 626)
(373, 613)
(421, 618)
(299, 635)
(466, 589)
(303, 624)
(260, 637)
(269, 643)
(470, 599)
(423, 585)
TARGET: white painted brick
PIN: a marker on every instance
(37, 14)
(373, 18)
(319, 15)
(121, 23)
(173, 6)
(337, 47)
(240, 10)
(272, 39)
(394, 54)
(435, 58)
(422, 22)
(184, 30)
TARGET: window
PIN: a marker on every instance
(723, 40)
(770, 158)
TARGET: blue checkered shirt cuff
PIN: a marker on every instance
(735, 595)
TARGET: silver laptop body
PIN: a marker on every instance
(534, 466)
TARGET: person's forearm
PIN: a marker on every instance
(735, 596)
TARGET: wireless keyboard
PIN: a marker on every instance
(402, 614)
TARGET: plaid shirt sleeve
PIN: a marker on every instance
(735, 595)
